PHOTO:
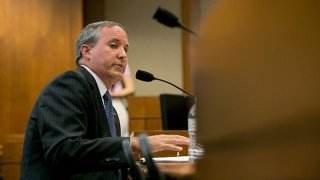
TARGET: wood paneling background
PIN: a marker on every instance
(144, 113)
(37, 42)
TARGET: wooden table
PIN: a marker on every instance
(179, 170)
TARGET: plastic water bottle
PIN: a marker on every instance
(195, 151)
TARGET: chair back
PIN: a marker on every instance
(135, 170)
(174, 111)
(145, 148)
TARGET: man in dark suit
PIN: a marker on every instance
(70, 134)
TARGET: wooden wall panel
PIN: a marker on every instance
(136, 124)
(154, 124)
(93, 11)
(37, 43)
(144, 113)
(12, 153)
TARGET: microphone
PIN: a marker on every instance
(167, 18)
(144, 76)
(148, 77)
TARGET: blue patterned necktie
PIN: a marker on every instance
(109, 113)
(112, 125)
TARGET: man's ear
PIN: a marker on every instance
(85, 51)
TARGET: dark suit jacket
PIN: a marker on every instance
(68, 135)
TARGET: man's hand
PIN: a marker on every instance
(162, 142)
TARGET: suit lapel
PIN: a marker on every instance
(98, 103)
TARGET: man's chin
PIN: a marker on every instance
(118, 76)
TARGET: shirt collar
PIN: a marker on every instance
(102, 87)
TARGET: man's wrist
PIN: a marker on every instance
(134, 146)
(133, 142)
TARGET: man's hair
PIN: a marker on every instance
(91, 34)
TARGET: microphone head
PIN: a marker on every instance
(144, 76)
(167, 18)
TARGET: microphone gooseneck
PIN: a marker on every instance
(175, 86)
(148, 77)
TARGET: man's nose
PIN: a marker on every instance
(122, 53)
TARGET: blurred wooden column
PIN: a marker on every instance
(190, 17)
(259, 94)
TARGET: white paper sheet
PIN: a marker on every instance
(169, 159)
